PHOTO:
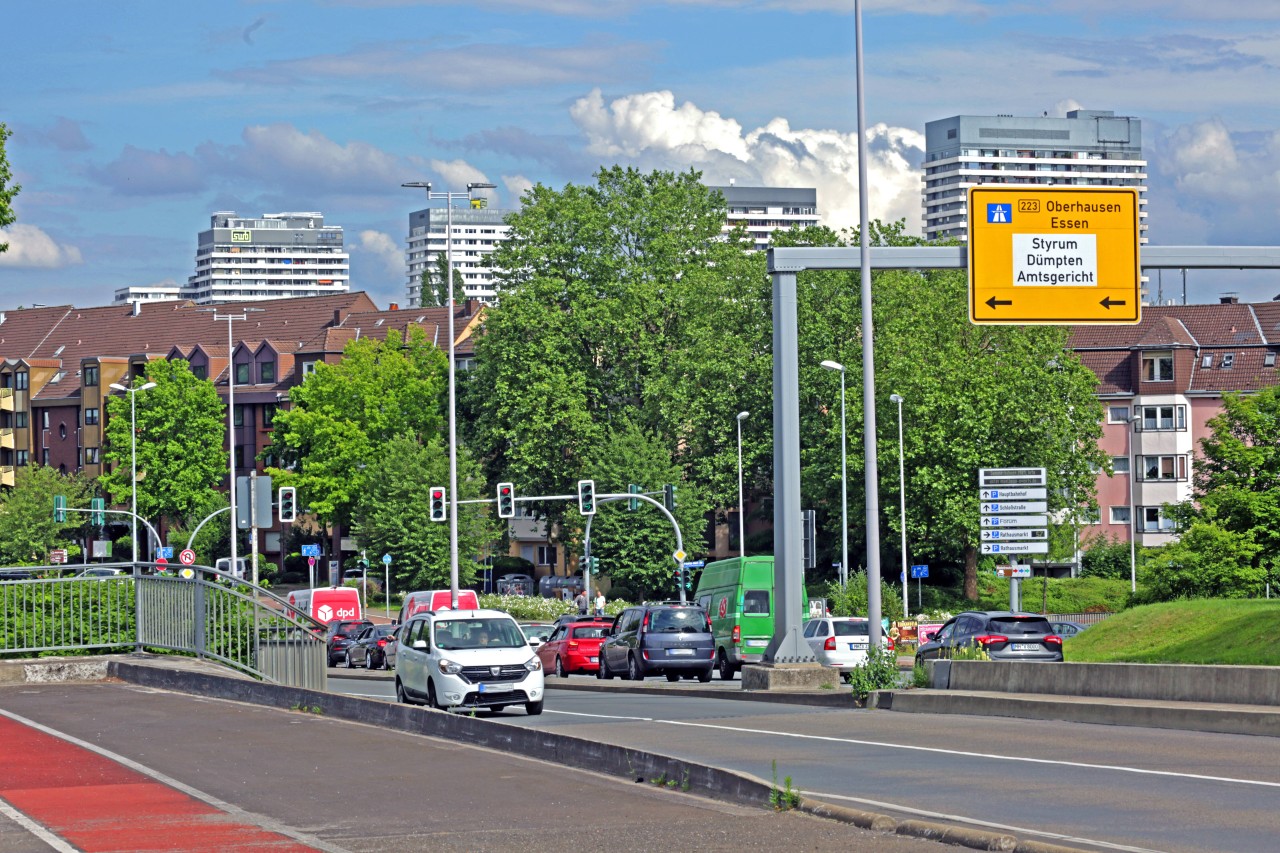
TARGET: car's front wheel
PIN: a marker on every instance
(704, 676)
(533, 709)
(604, 672)
(347, 661)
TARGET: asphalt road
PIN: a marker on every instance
(1113, 787)
(340, 786)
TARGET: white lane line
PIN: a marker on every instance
(230, 808)
(1002, 827)
(938, 750)
(35, 829)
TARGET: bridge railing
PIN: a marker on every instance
(126, 607)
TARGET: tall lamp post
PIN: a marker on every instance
(231, 415)
(742, 538)
(133, 435)
(902, 491)
(448, 198)
(844, 480)
(1133, 506)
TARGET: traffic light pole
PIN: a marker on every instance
(132, 515)
(609, 498)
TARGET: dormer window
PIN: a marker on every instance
(1206, 362)
(1269, 360)
(267, 372)
(1157, 367)
(200, 371)
(242, 373)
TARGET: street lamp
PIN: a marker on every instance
(231, 431)
(453, 426)
(902, 491)
(1133, 507)
(133, 434)
(742, 538)
(844, 480)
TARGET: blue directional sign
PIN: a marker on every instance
(386, 559)
(919, 571)
(311, 550)
(694, 564)
(165, 552)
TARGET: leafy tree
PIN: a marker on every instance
(181, 427)
(433, 289)
(1237, 491)
(1207, 561)
(344, 414)
(1106, 558)
(391, 514)
(27, 529)
(8, 189)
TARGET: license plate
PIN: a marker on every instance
(481, 687)
(757, 643)
(858, 646)
(595, 659)
(680, 651)
(1025, 647)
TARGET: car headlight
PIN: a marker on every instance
(533, 664)
(448, 667)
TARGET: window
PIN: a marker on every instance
(1157, 367)
(267, 372)
(45, 458)
(269, 413)
(1206, 361)
(1153, 520)
(1117, 414)
(308, 368)
(20, 457)
(755, 602)
(91, 455)
(1269, 360)
(200, 371)
(237, 416)
(21, 381)
(20, 420)
(1152, 418)
(546, 555)
(44, 419)
(1120, 464)
(242, 373)
(90, 375)
(1228, 361)
(90, 417)
(1164, 467)
(1120, 515)
(1093, 515)
(62, 433)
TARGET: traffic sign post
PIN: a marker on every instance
(1002, 493)
(1047, 255)
(919, 572)
(187, 557)
(386, 589)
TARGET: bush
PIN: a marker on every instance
(880, 672)
(291, 577)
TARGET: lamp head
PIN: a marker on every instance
(481, 185)
(118, 386)
(742, 416)
(418, 185)
(148, 385)
(895, 398)
(833, 365)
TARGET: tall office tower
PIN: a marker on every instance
(477, 231)
(1088, 148)
(274, 256)
(763, 210)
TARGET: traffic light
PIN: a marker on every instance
(439, 509)
(593, 564)
(632, 503)
(97, 511)
(59, 508)
(288, 502)
(506, 500)
(680, 573)
(809, 523)
(587, 497)
(669, 497)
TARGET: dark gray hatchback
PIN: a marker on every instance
(1003, 635)
(659, 639)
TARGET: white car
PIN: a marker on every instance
(841, 642)
(467, 659)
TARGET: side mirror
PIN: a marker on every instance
(419, 644)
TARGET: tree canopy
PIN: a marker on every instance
(8, 189)
(28, 531)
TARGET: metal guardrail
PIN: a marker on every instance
(210, 615)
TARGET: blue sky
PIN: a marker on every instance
(132, 127)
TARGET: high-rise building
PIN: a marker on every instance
(1088, 148)
(763, 210)
(277, 255)
(477, 231)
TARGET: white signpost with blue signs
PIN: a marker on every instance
(1013, 503)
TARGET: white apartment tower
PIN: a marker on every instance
(274, 256)
(477, 231)
(1088, 148)
(763, 210)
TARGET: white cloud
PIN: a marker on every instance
(31, 247)
(651, 130)
(456, 174)
(384, 249)
(517, 186)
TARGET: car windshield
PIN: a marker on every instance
(539, 631)
(491, 633)
(384, 630)
(588, 632)
(850, 629)
(676, 621)
(1021, 625)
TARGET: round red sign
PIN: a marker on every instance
(724, 607)
(187, 557)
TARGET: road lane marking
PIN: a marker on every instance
(35, 828)
(938, 750)
(256, 821)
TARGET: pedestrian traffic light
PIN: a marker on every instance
(506, 500)
(669, 497)
(439, 510)
(632, 503)
(97, 511)
(59, 508)
(288, 502)
(587, 497)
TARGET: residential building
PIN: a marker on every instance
(477, 231)
(147, 293)
(763, 210)
(274, 256)
(1088, 148)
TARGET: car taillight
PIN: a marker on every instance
(990, 639)
(645, 626)
(573, 644)
(1053, 639)
(382, 644)
(737, 634)
(830, 644)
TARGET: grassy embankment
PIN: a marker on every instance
(1199, 631)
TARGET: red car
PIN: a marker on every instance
(573, 647)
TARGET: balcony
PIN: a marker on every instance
(6, 399)
(6, 438)
(6, 475)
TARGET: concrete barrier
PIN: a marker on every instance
(1232, 685)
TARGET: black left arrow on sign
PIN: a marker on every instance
(993, 302)
(1107, 302)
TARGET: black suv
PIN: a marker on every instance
(1003, 635)
(667, 639)
(342, 633)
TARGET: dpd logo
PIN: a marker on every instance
(347, 613)
(324, 613)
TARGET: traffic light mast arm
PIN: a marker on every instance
(125, 512)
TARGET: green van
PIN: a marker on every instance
(738, 596)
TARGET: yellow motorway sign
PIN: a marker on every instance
(1054, 255)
